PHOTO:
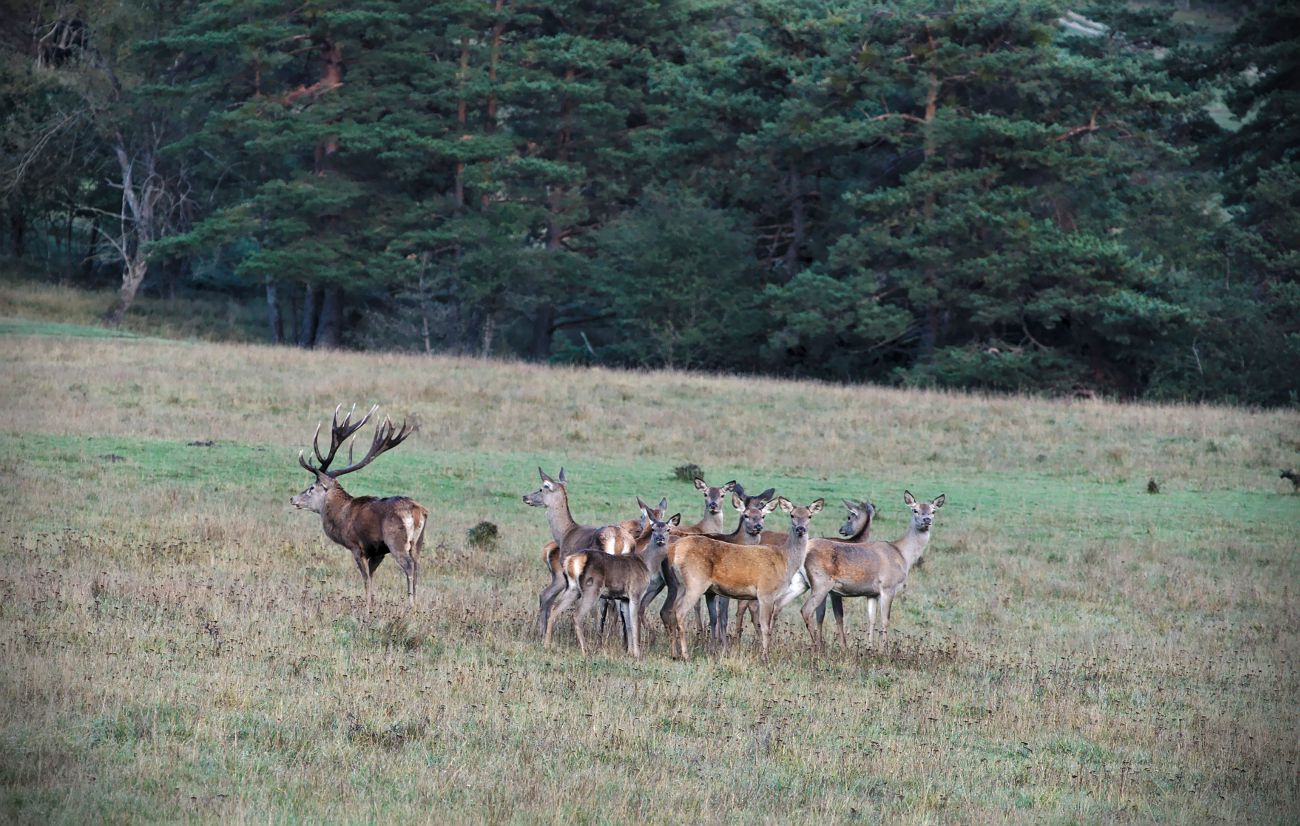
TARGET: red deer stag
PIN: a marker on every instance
(761, 572)
(371, 528)
(569, 536)
(593, 574)
(876, 570)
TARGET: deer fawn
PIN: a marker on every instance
(593, 575)
(569, 536)
(761, 572)
(371, 528)
(874, 569)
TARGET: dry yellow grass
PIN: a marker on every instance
(180, 644)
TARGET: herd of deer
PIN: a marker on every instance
(629, 563)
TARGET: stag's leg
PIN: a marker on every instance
(569, 597)
(407, 563)
(837, 605)
(872, 604)
(589, 597)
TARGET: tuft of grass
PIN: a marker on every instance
(688, 472)
(483, 536)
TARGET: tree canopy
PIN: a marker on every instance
(1040, 195)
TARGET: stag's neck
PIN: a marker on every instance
(912, 546)
(334, 515)
(560, 520)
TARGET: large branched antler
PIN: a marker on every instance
(387, 437)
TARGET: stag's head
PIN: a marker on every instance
(552, 492)
(714, 498)
(860, 515)
(799, 516)
(387, 437)
(923, 512)
(753, 509)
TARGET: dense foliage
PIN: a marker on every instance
(1004, 195)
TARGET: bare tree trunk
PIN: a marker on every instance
(797, 225)
(329, 333)
(132, 276)
(92, 250)
(489, 330)
(307, 327)
(273, 311)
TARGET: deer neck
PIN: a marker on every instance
(334, 515)
(653, 557)
(912, 545)
(863, 534)
(560, 520)
(711, 523)
(796, 550)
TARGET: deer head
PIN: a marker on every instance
(660, 528)
(860, 513)
(753, 509)
(923, 512)
(799, 516)
(552, 492)
(387, 436)
(714, 497)
(649, 514)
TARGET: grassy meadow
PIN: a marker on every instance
(180, 644)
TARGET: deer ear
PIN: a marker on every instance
(699, 484)
(766, 495)
(908, 498)
(938, 503)
(645, 509)
(663, 503)
(816, 506)
(562, 480)
(729, 486)
(675, 519)
(785, 505)
(737, 502)
(851, 505)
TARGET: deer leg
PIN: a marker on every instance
(837, 605)
(372, 563)
(886, 602)
(872, 603)
(668, 611)
(714, 606)
(589, 597)
(634, 625)
(407, 563)
(687, 597)
(569, 597)
(699, 620)
(815, 603)
(546, 598)
(718, 624)
(766, 610)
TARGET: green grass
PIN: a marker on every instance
(181, 644)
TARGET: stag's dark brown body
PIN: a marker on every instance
(368, 527)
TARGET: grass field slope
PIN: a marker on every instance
(180, 644)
